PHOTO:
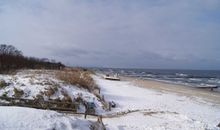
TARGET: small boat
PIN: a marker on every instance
(208, 87)
(114, 77)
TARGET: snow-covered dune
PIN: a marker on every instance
(29, 84)
(140, 108)
(34, 83)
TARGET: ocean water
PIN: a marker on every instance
(191, 78)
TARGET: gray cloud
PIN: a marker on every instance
(116, 33)
(70, 52)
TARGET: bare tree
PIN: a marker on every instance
(9, 50)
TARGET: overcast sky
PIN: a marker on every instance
(183, 34)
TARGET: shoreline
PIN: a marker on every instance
(206, 95)
(158, 105)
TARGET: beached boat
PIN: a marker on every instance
(114, 77)
(208, 87)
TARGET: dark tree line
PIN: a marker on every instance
(12, 59)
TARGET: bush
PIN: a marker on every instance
(50, 91)
(67, 98)
(3, 84)
(4, 94)
(79, 99)
(39, 97)
(18, 93)
(78, 77)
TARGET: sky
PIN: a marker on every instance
(167, 34)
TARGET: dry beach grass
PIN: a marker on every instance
(77, 76)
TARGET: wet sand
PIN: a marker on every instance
(204, 94)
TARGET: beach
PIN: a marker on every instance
(148, 105)
(204, 94)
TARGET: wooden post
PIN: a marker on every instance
(103, 98)
(85, 114)
(100, 119)
(109, 106)
(101, 122)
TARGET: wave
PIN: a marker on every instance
(195, 79)
(192, 78)
(181, 75)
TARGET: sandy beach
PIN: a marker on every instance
(204, 94)
(154, 105)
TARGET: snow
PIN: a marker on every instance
(164, 121)
(136, 108)
(35, 82)
(17, 118)
(170, 111)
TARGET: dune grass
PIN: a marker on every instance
(79, 77)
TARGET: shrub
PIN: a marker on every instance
(56, 100)
(39, 97)
(78, 77)
(50, 91)
(18, 93)
(3, 84)
(4, 94)
(66, 98)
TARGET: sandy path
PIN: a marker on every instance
(206, 95)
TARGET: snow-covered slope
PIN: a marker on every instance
(155, 110)
(29, 84)
(17, 118)
(33, 83)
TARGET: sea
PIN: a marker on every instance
(190, 78)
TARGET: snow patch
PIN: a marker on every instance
(17, 118)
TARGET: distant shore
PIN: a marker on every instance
(206, 95)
